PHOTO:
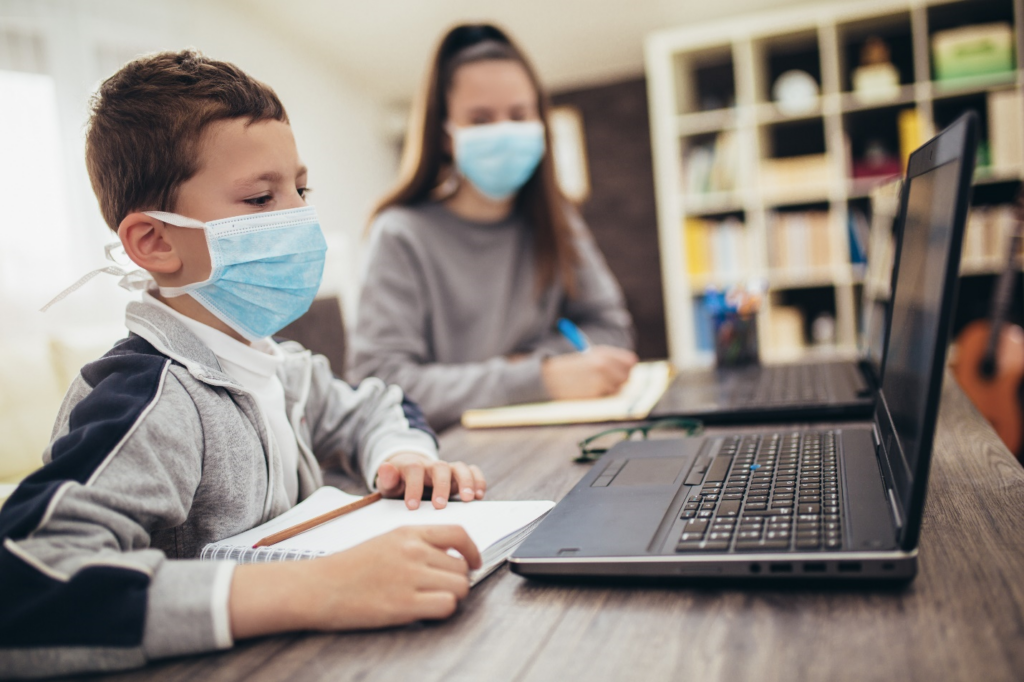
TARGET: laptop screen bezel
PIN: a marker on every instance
(958, 141)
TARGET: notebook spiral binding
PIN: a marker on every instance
(248, 555)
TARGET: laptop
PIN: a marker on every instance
(825, 502)
(841, 389)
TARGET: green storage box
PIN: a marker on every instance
(979, 50)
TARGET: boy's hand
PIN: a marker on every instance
(407, 474)
(396, 578)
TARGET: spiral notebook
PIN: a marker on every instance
(497, 528)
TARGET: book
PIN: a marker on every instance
(1006, 129)
(908, 123)
(497, 528)
(647, 381)
(717, 249)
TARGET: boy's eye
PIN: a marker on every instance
(259, 201)
(304, 191)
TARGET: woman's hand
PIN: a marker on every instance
(599, 371)
(407, 474)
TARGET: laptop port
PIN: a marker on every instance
(781, 568)
(755, 568)
(849, 567)
(814, 568)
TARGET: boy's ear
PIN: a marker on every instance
(148, 242)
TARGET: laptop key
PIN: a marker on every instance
(695, 526)
(729, 508)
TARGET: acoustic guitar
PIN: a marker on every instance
(989, 363)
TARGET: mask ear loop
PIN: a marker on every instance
(131, 280)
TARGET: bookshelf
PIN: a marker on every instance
(788, 185)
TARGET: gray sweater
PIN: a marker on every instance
(445, 301)
(156, 452)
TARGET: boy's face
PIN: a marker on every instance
(243, 168)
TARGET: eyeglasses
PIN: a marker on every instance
(593, 447)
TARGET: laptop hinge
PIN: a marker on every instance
(874, 433)
(895, 509)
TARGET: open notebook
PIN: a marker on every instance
(497, 528)
(646, 383)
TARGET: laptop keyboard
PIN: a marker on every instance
(789, 384)
(777, 491)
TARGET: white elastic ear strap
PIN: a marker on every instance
(175, 219)
(132, 280)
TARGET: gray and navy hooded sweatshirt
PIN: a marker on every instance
(155, 453)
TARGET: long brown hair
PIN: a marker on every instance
(426, 164)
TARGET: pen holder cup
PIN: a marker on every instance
(735, 339)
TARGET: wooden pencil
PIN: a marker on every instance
(291, 532)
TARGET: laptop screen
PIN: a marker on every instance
(927, 235)
(934, 212)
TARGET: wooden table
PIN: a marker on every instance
(961, 619)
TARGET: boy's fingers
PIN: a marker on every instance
(389, 480)
(444, 561)
(413, 475)
(434, 605)
(479, 482)
(452, 537)
(441, 481)
(464, 481)
(432, 579)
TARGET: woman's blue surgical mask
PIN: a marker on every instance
(265, 271)
(498, 158)
(266, 268)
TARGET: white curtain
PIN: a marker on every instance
(53, 56)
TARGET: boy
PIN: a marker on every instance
(197, 426)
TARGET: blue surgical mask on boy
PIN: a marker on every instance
(266, 268)
(498, 158)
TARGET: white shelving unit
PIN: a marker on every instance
(750, 51)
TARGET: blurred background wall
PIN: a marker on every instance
(346, 71)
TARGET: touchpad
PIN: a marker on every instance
(653, 471)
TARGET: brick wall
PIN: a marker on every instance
(621, 211)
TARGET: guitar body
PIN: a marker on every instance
(997, 398)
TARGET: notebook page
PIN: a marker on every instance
(486, 522)
(645, 386)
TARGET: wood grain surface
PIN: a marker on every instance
(961, 619)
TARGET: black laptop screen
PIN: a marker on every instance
(928, 231)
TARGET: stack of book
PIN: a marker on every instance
(716, 248)
(711, 167)
(798, 243)
(987, 237)
(1005, 130)
(803, 175)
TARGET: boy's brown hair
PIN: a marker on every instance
(147, 122)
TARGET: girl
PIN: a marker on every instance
(476, 254)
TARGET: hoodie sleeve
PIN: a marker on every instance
(364, 424)
(81, 588)
(599, 306)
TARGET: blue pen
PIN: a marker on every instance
(573, 334)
